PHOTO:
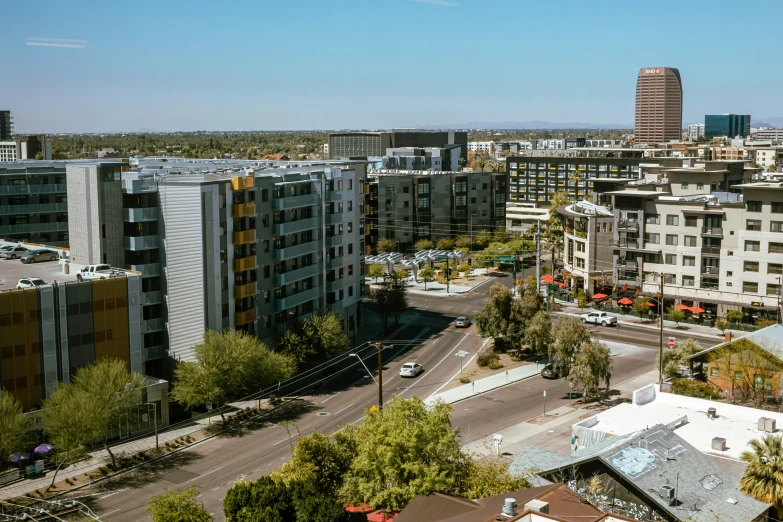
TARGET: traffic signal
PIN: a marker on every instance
(432, 263)
(470, 262)
(517, 281)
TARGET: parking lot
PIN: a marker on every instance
(12, 270)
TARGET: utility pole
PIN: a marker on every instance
(538, 259)
(447, 274)
(380, 376)
(660, 351)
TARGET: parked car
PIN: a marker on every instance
(12, 251)
(34, 256)
(97, 272)
(462, 322)
(602, 318)
(551, 371)
(411, 370)
(30, 282)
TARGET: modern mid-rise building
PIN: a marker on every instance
(7, 151)
(658, 105)
(429, 158)
(767, 133)
(695, 131)
(6, 125)
(406, 206)
(726, 125)
(346, 145)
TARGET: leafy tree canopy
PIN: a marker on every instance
(12, 425)
(178, 506)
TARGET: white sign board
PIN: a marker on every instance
(498, 438)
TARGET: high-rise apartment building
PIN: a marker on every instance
(726, 125)
(6, 125)
(695, 131)
(345, 145)
(658, 105)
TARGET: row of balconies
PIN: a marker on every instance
(141, 215)
(41, 208)
(54, 226)
(242, 182)
(54, 188)
(140, 243)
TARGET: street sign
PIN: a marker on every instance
(544, 393)
(462, 353)
(672, 342)
(498, 438)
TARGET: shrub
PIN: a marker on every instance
(486, 357)
(691, 388)
(464, 380)
(495, 365)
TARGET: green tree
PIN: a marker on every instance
(445, 243)
(409, 449)
(483, 238)
(501, 235)
(734, 316)
(490, 477)
(375, 270)
(553, 230)
(641, 305)
(115, 393)
(71, 422)
(501, 317)
(721, 324)
(581, 298)
(570, 334)
(228, 365)
(263, 500)
(464, 242)
(763, 478)
(423, 244)
(178, 506)
(427, 274)
(384, 246)
(320, 336)
(13, 425)
(402, 273)
(673, 358)
(763, 322)
(465, 268)
(390, 299)
(39, 155)
(539, 332)
(592, 364)
(676, 315)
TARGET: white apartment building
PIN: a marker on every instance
(483, 147)
(767, 133)
(695, 131)
(718, 246)
(767, 158)
(522, 217)
(7, 151)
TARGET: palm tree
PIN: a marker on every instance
(763, 479)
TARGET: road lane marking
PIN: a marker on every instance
(331, 397)
(464, 364)
(285, 439)
(208, 472)
(439, 362)
(110, 512)
(339, 412)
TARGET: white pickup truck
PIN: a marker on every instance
(97, 272)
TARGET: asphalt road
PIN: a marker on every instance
(428, 338)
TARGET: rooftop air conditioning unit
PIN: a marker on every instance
(510, 507)
(712, 413)
(537, 505)
(667, 494)
(719, 444)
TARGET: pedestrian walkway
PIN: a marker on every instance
(486, 384)
(460, 286)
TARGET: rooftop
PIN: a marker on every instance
(12, 270)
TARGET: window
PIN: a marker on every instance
(762, 382)
(350, 185)
(714, 372)
(424, 188)
(689, 241)
(580, 247)
(688, 280)
(424, 202)
(651, 258)
(737, 376)
(752, 246)
(754, 206)
(671, 259)
(673, 220)
(683, 185)
(473, 201)
(688, 261)
(652, 219)
(774, 268)
(690, 221)
(750, 288)
(671, 239)
(751, 266)
(699, 186)
(753, 224)
(776, 226)
(350, 205)
(652, 238)
(777, 208)
(350, 248)
(484, 186)
(775, 248)
(729, 273)
(773, 289)
(461, 201)
(580, 263)
(265, 195)
(350, 293)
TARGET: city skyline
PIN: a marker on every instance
(96, 68)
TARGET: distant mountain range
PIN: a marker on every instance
(526, 125)
(776, 121)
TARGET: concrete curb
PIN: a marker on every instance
(433, 398)
(717, 337)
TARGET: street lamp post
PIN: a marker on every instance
(379, 381)
(155, 418)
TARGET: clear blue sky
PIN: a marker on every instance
(319, 64)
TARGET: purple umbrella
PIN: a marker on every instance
(16, 458)
(44, 448)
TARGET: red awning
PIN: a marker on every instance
(547, 278)
(650, 304)
(681, 307)
(624, 301)
(600, 296)
(696, 310)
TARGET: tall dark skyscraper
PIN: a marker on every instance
(658, 105)
(728, 125)
(6, 125)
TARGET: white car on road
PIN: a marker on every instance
(602, 318)
(411, 369)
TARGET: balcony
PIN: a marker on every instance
(148, 270)
(292, 202)
(710, 271)
(242, 182)
(712, 232)
(297, 275)
(333, 263)
(628, 243)
(335, 286)
(56, 226)
(335, 195)
(141, 215)
(151, 325)
(152, 353)
(243, 318)
(139, 186)
(246, 290)
(243, 237)
(43, 208)
(628, 225)
(142, 243)
(244, 263)
(333, 241)
(151, 298)
(240, 210)
(292, 227)
(297, 299)
(281, 254)
(710, 251)
(337, 306)
(334, 218)
(10, 190)
(709, 285)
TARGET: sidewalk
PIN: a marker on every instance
(486, 384)
(571, 309)
(462, 285)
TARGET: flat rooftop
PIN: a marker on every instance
(687, 416)
(12, 270)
